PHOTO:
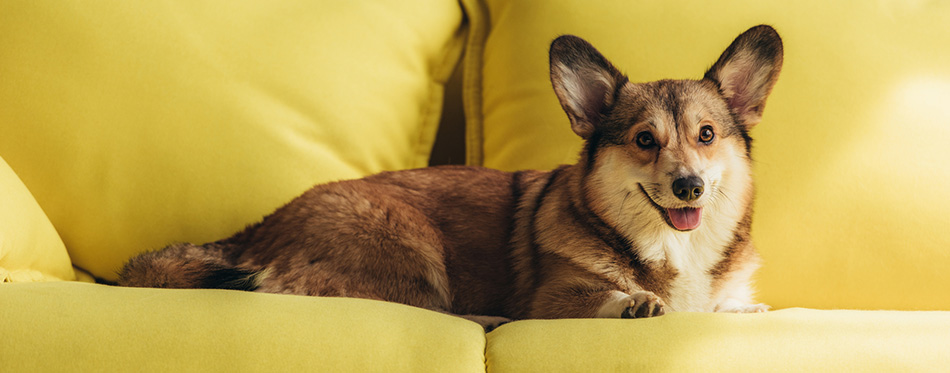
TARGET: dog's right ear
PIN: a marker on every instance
(584, 81)
(747, 71)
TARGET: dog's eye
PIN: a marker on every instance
(645, 140)
(706, 134)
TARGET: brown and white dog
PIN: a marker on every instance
(653, 218)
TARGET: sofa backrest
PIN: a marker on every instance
(136, 125)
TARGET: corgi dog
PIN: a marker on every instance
(653, 218)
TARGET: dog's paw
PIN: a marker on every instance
(745, 308)
(488, 322)
(643, 304)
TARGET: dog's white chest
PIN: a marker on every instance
(692, 255)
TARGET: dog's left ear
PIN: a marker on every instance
(584, 81)
(747, 70)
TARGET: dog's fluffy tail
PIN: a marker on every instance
(188, 266)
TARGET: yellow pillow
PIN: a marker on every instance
(137, 124)
(851, 156)
(30, 248)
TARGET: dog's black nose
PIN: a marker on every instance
(688, 188)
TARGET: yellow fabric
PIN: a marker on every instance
(82, 275)
(160, 330)
(851, 156)
(30, 248)
(797, 340)
(136, 124)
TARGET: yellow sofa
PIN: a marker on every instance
(125, 126)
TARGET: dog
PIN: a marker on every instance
(653, 218)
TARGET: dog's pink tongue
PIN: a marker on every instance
(685, 219)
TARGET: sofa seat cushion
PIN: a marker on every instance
(88, 327)
(786, 340)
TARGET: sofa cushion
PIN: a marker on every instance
(136, 124)
(141, 330)
(30, 248)
(850, 158)
(788, 340)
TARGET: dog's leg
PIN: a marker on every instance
(487, 322)
(737, 306)
(587, 303)
(735, 293)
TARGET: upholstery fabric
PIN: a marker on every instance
(137, 124)
(788, 340)
(30, 248)
(86, 327)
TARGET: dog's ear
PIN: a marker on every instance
(747, 70)
(584, 81)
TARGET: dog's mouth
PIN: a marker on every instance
(683, 219)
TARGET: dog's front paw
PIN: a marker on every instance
(744, 308)
(489, 323)
(643, 304)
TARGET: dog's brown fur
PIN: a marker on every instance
(592, 239)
